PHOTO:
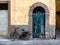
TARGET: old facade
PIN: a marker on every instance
(35, 16)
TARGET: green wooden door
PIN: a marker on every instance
(38, 24)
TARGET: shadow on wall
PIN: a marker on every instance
(57, 34)
(19, 32)
(51, 32)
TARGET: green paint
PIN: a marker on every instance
(38, 24)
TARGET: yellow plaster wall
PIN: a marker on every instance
(52, 15)
(20, 11)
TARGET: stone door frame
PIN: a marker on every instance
(8, 16)
(46, 17)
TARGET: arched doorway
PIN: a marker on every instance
(38, 22)
(39, 10)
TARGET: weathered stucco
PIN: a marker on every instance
(20, 13)
(19, 10)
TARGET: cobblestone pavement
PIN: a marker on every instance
(29, 42)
